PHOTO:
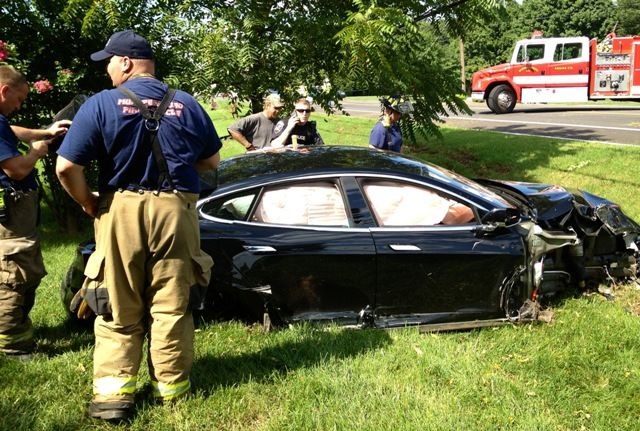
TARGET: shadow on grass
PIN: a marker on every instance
(66, 337)
(316, 346)
(566, 132)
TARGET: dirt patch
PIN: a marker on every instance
(628, 295)
(465, 158)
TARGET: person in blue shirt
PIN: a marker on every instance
(148, 271)
(386, 134)
(21, 265)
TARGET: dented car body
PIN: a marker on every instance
(372, 238)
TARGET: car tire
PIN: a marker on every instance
(502, 99)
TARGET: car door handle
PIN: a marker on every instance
(259, 248)
(404, 247)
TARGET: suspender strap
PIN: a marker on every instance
(152, 124)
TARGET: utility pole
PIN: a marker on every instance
(462, 77)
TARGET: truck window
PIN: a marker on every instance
(567, 51)
(530, 53)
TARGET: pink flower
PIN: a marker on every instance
(42, 86)
(4, 53)
(66, 72)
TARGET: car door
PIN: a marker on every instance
(295, 246)
(432, 266)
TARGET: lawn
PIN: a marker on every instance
(580, 372)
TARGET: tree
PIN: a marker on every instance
(45, 41)
(262, 46)
(51, 42)
(250, 47)
(300, 47)
(628, 17)
(555, 18)
(491, 43)
(400, 49)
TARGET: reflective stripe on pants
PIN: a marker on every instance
(7, 340)
(114, 385)
(167, 392)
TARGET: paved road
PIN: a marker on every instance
(604, 123)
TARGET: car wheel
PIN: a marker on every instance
(501, 99)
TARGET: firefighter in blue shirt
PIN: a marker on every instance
(386, 134)
(148, 269)
(21, 265)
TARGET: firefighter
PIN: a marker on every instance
(148, 270)
(386, 134)
(21, 265)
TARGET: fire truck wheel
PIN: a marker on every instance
(501, 99)
(491, 105)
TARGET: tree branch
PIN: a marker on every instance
(434, 12)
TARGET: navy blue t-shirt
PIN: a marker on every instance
(109, 128)
(386, 138)
(8, 150)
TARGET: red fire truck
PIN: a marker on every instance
(562, 69)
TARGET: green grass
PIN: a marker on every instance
(580, 372)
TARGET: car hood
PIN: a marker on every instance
(549, 203)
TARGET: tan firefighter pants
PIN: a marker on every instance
(147, 260)
(21, 269)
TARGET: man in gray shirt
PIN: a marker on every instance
(255, 131)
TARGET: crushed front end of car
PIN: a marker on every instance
(574, 239)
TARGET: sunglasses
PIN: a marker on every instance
(303, 110)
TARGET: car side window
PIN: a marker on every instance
(402, 204)
(306, 204)
(230, 208)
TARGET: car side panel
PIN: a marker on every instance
(445, 274)
(299, 273)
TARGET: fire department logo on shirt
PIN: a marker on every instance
(128, 108)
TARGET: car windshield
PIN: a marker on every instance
(465, 183)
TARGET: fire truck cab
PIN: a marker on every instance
(562, 69)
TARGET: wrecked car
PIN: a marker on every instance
(373, 238)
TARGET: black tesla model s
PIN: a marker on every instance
(372, 238)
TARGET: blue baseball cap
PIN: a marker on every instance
(125, 43)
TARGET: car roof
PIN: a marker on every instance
(264, 166)
(309, 160)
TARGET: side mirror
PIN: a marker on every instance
(501, 217)
(496, 219)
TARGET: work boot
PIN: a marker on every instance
(111, 410)
(20, 355)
